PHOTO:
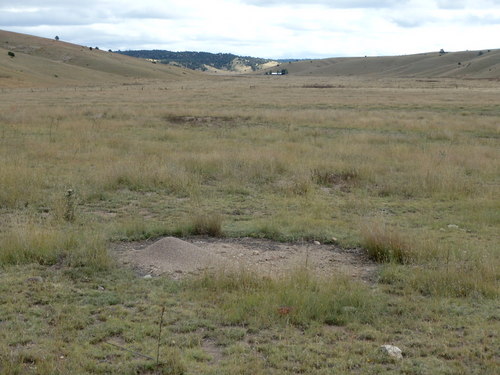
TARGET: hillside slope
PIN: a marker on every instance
(205, 61)
(470, 64)
(40, 61)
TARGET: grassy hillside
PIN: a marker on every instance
(469, 64)
(42, 62)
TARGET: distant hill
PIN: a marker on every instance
(29, 61)
(484, 64)
(204, 61)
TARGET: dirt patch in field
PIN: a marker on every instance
(178, 258)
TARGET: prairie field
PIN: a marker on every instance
(406, 170)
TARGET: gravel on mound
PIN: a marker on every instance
(173, 256)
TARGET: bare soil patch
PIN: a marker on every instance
(178, 258)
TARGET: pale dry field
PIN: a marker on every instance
(406, 169)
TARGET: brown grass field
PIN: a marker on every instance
(464, 65)
(405, 169)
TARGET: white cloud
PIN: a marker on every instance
(271, 28)
(338, 4)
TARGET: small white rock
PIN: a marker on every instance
(317, 243)
(147, 277)
(334, 239)
(392, 351)
(452, 226)
(100, 287)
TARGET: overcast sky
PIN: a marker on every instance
(263, 28)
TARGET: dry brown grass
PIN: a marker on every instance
(414, 165)
(278, 160)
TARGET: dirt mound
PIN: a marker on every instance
(172, 256)
(178, 258)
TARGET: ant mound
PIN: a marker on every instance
(173, 257)
(176, 258)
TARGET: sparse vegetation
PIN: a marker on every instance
(408, 172)
(386, 245)
(300, 299)
(208, 224)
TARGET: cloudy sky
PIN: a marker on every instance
(263, 28)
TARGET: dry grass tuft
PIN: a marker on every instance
(29, 242)
(206, 225)
(332, 178)
(385, 244)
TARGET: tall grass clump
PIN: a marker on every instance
(20, 185)
(383, 244)
(30, 243)
(206, 225)
(91, 252)
(460, 279)
(298, 298)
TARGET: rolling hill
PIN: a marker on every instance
(205, 61)
(469, 64)
(29, 61)
(46, 62)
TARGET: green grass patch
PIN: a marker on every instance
(299, 298)
(27, 243)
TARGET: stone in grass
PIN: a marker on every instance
(392, 351)
(147, 277)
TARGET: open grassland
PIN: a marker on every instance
(407, 169)
(463, 64)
